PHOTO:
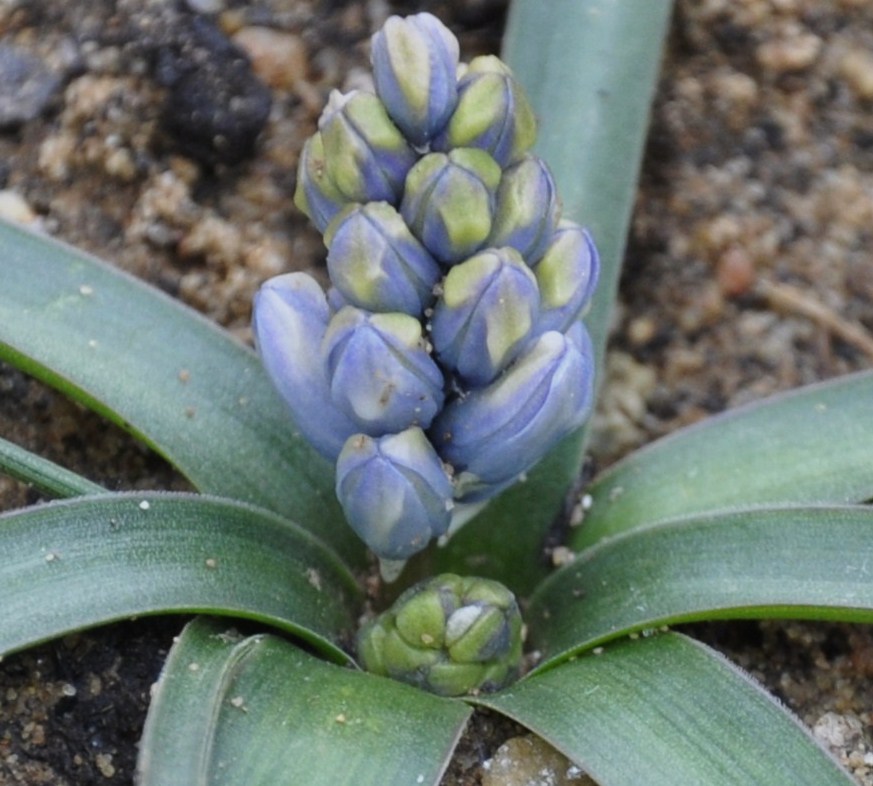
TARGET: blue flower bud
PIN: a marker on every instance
(376, 263)
(493, 113)
(567, 276)
(492, 435)
(290, 318)
(316, 195)
(487, 310)
(527, 210)
(365, 155)
(415, 63)
(448, 202)
(380, 373)
(394, 491)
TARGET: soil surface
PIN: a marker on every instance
(748, 271)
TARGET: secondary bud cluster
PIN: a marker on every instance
(447, 357)
(449, 635)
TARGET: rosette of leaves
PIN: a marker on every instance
(757, 513)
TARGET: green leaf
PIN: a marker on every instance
(809, 563)
(78, 563)
(164, 373)
(806, 446)
(667, 711)
(589, 69)
(42, 474)
(259, 711)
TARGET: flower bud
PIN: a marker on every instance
(315, 194)
(492, 435)
(493, 113)
(488, 307)
(567, 275)
(380, 373)
(415, 63)
(376, 263)
(365, 155)
(450, 635)
(394, 491)
(448, 202)
(289, 322)
(527, 208)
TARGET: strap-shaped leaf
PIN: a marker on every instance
(590, 70)
(43, 474)
(667, 711)
(810, 445)
(809, 563)
(84, 562)
(166, 374)
(259, 711)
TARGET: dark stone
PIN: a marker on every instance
(216, 107)
(26, 86)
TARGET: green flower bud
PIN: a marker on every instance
(493, 113)
(567, 275)
(365, 155)
(449, 200)
(415, 63)
(375, 262)
(528, 209)
(450, 635)
(316, 196)
(487, 310)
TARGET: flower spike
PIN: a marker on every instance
(448, 354)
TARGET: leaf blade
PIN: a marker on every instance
(810, 563)
(676, 711)
(273, 715)
(164, 373)
(804, 446)
(42, 474)
(83, 562)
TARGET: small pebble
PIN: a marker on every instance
(735, 272)
(838, 731)
(205, 6)
(14, 208)
(793, 53)
(857, 69)
(531, 761)
(278, 58)
(105, 765)
(26, 86)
